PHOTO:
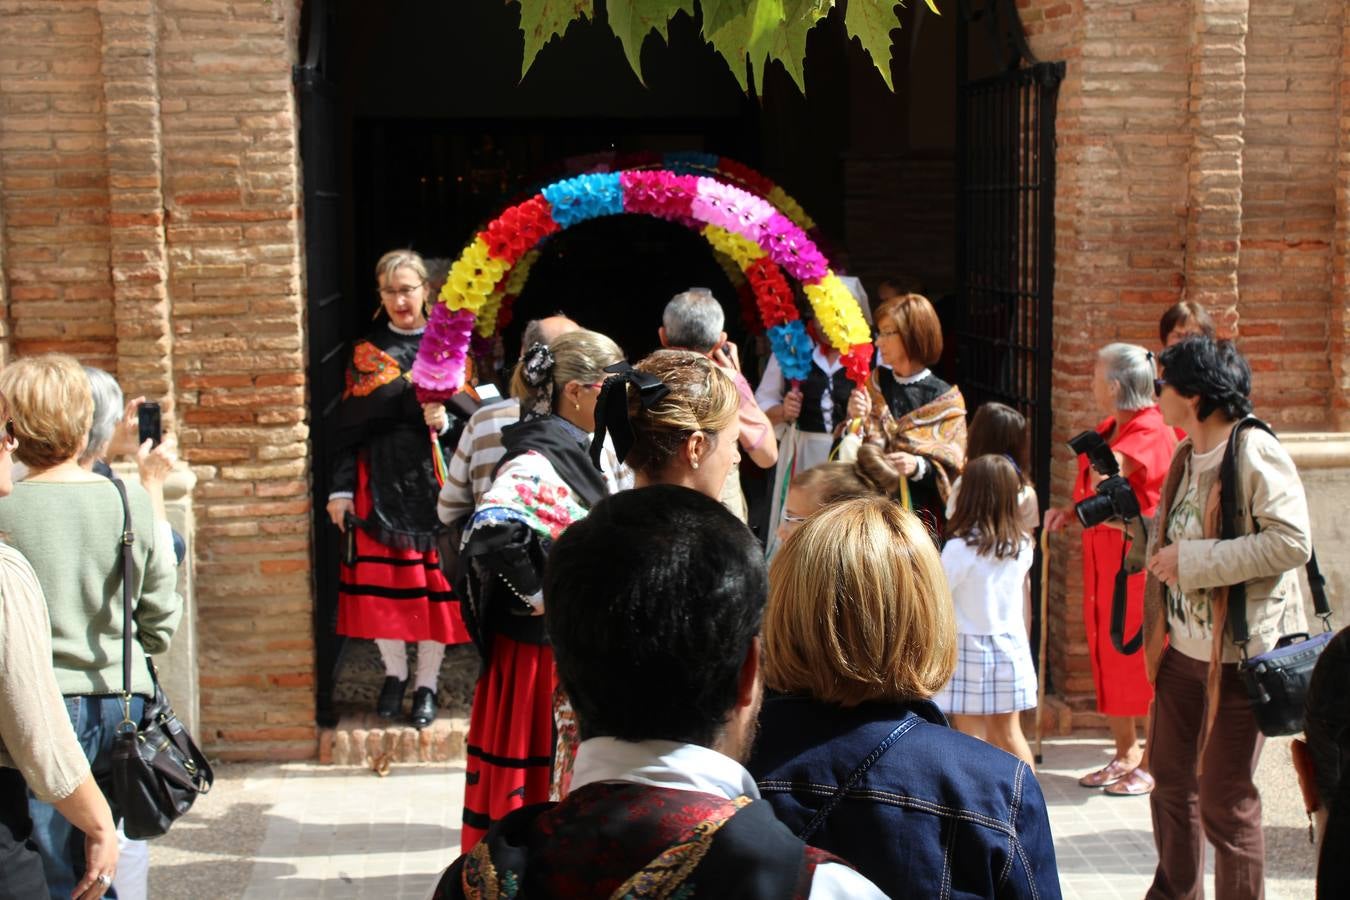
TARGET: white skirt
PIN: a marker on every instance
(994, 674)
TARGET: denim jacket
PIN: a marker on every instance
(939, 814)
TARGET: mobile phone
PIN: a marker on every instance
(147, 417)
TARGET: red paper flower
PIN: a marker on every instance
(773, 296)
(661, 194)
(858, 362)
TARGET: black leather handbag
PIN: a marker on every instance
(1277, 680)
(157, 769)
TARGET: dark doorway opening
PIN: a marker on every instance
(427, 129)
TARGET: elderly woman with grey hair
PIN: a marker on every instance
(1122, 386)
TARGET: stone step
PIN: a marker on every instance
(362, 738)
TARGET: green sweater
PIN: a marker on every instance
(71, 534)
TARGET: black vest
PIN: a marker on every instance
(812, 417)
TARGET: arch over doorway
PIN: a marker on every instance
(754, 232)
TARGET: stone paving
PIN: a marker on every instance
(307, 831)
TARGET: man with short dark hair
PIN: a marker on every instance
(694, 320)
(653, 603)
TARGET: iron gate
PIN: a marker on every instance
(1006, 245)
(327, 338)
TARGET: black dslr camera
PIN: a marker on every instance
(1115, 498)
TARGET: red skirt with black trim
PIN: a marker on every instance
(511, 740)
(395, 594)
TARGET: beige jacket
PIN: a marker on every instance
(35, 732)
(1274, 543)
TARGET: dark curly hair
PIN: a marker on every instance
(1212, 370)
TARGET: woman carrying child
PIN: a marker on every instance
(986, 558)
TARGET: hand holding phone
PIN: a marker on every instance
(149, 425)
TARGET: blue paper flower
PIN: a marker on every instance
(584, 197)
(792, 347)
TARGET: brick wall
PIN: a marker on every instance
(1293, 61)
(231, 201)
(1197, 151)
(1339, 319)
(54, 180)
(149, 201)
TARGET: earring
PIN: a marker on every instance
(694, 464)
(577, 406)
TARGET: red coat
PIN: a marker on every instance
(1122, 686)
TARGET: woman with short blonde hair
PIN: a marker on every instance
(858, 635)
(895, 637)
(51, 406)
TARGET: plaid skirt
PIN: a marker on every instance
(994, 674)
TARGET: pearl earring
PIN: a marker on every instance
(694, 464)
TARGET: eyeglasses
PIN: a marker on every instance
(406, 291)
(888, 334)
(1158, 385)
(792, 519)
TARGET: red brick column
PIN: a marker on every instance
(1214, 177)
(136, 199)
(1340, 301)
(232, 199)
(53, 180)
(1120, 220)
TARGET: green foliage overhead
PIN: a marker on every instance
(749, 34)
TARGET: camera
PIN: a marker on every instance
(1115, 498)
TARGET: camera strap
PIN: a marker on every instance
(1119, 597)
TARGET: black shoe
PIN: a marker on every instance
(391, 697)
(423, 707)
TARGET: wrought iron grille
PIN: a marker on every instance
(1005, 246)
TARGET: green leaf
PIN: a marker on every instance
(789, 41)
(871, 21)
(632, 20)
(749, 33)
(543, 20)
(717, 13)
(932, 4)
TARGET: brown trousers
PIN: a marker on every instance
(1222, 804)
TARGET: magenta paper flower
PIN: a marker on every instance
(439, 370)
(789, 246)
(658, 193)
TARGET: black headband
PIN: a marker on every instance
(611, 408)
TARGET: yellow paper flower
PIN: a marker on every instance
(790, 208)
(486, 324)
(740, 249)
(515, 282)
(473, 276)
(841, 319)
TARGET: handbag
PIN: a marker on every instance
(157, 769)
(1277, 680)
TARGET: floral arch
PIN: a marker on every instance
(760, 237)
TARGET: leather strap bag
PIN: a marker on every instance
(1277, 680)
(157, 769)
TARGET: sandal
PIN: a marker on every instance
(1112, 772)
(1136, 784)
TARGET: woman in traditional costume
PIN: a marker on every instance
(918, 418)
(383, 498)
(1122, 386)
(544, 483)
(807, 416)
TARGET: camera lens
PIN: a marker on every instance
(1095, 510)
